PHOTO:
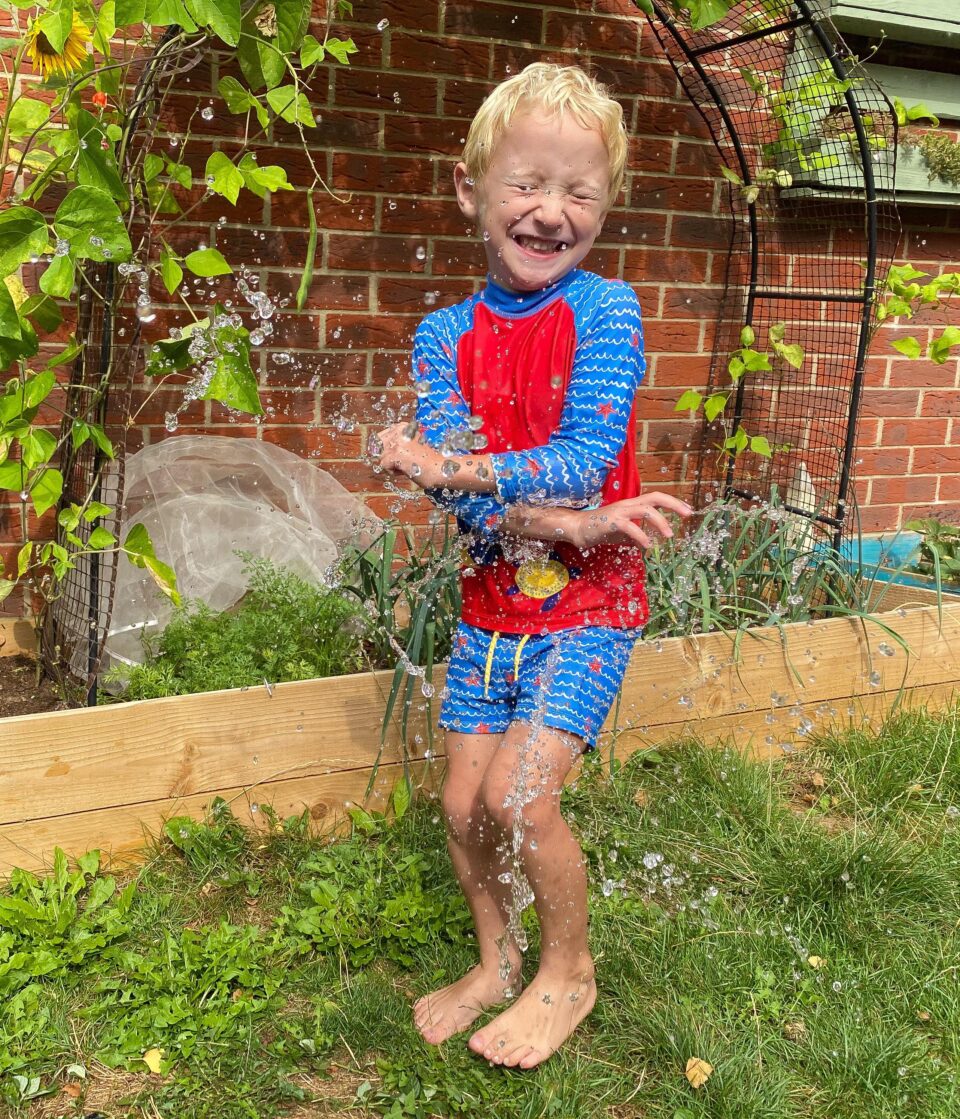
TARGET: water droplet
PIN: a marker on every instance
(207, 112)
(885, 649)
(383, 25)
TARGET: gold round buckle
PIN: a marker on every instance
(541, 578)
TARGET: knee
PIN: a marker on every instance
(463, 811)
(507, 802)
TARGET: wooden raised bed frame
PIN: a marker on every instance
(105, 777)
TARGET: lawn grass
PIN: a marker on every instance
(794, 924)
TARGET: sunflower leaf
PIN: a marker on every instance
(56, 24)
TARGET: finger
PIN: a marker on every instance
(635, 533)
(668, 501)
(659, 522)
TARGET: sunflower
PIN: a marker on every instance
(66, 61)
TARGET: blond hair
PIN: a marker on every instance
(557, 90)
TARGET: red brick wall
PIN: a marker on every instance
(393, 244)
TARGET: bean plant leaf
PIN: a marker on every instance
(140, 551)
(223, 178)
(234, 382)
(311, 51)
(791, 353)
(46, 490)
(909, 347)
(291, 105)
(714, 405)
(90, 221)
(941, 347)
(170, 271)
(23, 234)
(239, 100)
(760, 445)
(101, 538)
(341, 49)
(37, 446)
(43, 310)
(293, 19)
(261, 180)
(704, 13)
(207, 262)
(689, 401)
(130, 11)
(10, 325)
(57, 279)
(96, 165)
(221, 16)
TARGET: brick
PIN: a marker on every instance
(322, 369)
(671, 265)
(391, 369)
(649, 153)
(633, 227)
(418, 296)
(949, 490)
(670, 193)
(511, 58)
(700, 232)
(415, 215)
(902, 491)
(457, 258)
(326, 292)
(385, 90)
(376, 408)
(371, 171)
(348, 128)
(439, 54)
(915, 433)
(369, 331)
(921, 374)
(891, 403)
(462, 98)
(356, 211)
(414, 15)
(681, 372)
(697, 158)
(493, 21)
(642, 79)
(312, 441)
(936, 460)
(594, 33)
(671, 337)
(884, 461)
(692, 303)
(374, 254)
(934, 403)
(435, 136)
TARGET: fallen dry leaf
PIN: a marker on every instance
(795, 1031)
(71, 1090)
(816, 961)
(641, 798)
(817, 780)
(698, 1071)
(923, 1015)
(152, 1059)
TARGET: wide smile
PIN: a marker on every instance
(539, 246)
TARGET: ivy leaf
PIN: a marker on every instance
(940, 348)
(689, 401)
(341, 48)
(221, 16)
(223, 178)
(57, 279)
(46, 490)
(290, 105)
(170, 271)
(23, 234)
(91, 222)
(207, 262)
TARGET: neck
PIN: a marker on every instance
(509, 302)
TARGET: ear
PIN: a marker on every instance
(466, 192)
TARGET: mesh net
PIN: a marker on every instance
(810, 144)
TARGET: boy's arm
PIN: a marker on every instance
(608, 367)
(443, 419)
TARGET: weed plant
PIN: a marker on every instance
(794, 924)
(283, 629)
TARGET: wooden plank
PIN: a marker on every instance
(121, 833)
(933, 21)
(74, 761)
(79, 761)
(939, 92)
(17, 635)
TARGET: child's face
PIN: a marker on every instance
(542, 201)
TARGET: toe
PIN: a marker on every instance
(532, 1058)
(479, 1043)
(516, 1056)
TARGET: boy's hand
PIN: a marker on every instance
(402, 453)
(621, 521)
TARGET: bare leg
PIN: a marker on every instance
(528, 778)
(476, 846)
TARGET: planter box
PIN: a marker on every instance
(103, 777)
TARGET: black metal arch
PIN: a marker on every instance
(783, 98)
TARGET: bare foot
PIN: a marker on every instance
(538, 1023)
(452, 1009)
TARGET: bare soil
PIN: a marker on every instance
(20, 694)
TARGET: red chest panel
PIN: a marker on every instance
(514, 373)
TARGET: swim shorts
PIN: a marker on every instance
(567, 680)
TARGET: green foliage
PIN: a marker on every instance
(82, 185)
(939, 549)
(941, 153)
(283, 629)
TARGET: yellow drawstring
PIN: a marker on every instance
(516, 659)
(488, 668)
(489, 665)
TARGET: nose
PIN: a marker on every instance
(550, 209)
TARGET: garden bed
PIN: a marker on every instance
(104, 777)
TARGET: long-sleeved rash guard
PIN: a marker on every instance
(550, 377)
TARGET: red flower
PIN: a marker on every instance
(99, 99)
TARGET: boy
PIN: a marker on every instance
(541, 368)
